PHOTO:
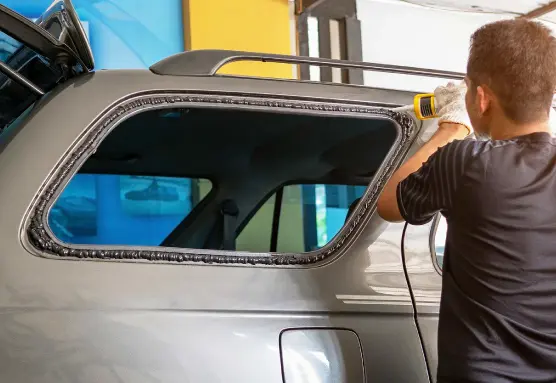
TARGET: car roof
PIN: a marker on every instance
(206, 63)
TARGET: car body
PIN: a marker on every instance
(185, 289)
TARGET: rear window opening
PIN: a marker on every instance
(235, 179)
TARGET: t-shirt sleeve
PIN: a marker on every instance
(432, 188)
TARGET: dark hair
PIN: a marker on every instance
(516, 59)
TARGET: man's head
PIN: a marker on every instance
(511, 73)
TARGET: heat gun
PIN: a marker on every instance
(423, 107)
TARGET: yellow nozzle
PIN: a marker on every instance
(424, 107)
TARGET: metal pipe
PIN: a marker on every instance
(208, 62)
(538, 12)
(21, 80)
(346, 64)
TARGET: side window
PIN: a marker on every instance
(440, 240)
(147, 182)
(101, 209)
(306, 218)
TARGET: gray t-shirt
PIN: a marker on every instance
(498, 307)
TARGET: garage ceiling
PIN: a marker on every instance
(515, 7)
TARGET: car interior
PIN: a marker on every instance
(255, 179)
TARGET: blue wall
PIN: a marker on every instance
(123, 33)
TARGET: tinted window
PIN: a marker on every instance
(308, 217)
(440, 240)
(124, 210)
(8, 46)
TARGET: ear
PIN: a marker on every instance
(483, 100)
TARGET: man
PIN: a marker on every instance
(498, 307)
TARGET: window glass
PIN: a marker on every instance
(122, 209)
(308, 218)
(8, 45)
(440, 240)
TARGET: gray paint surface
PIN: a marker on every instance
(67, 320)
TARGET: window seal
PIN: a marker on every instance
(432, 239)
(39, 240)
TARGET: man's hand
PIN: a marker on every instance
(453, 124)
(450, 105)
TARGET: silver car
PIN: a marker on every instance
(174, 225)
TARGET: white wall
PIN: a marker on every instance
(395, 32)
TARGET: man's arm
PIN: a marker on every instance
(387, 203)
(421, 182)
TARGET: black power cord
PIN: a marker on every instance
(413, 303)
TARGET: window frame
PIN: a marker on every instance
(432, 241)
(39, 240)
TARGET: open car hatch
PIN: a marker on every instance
(57, 34)
(43, 54)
